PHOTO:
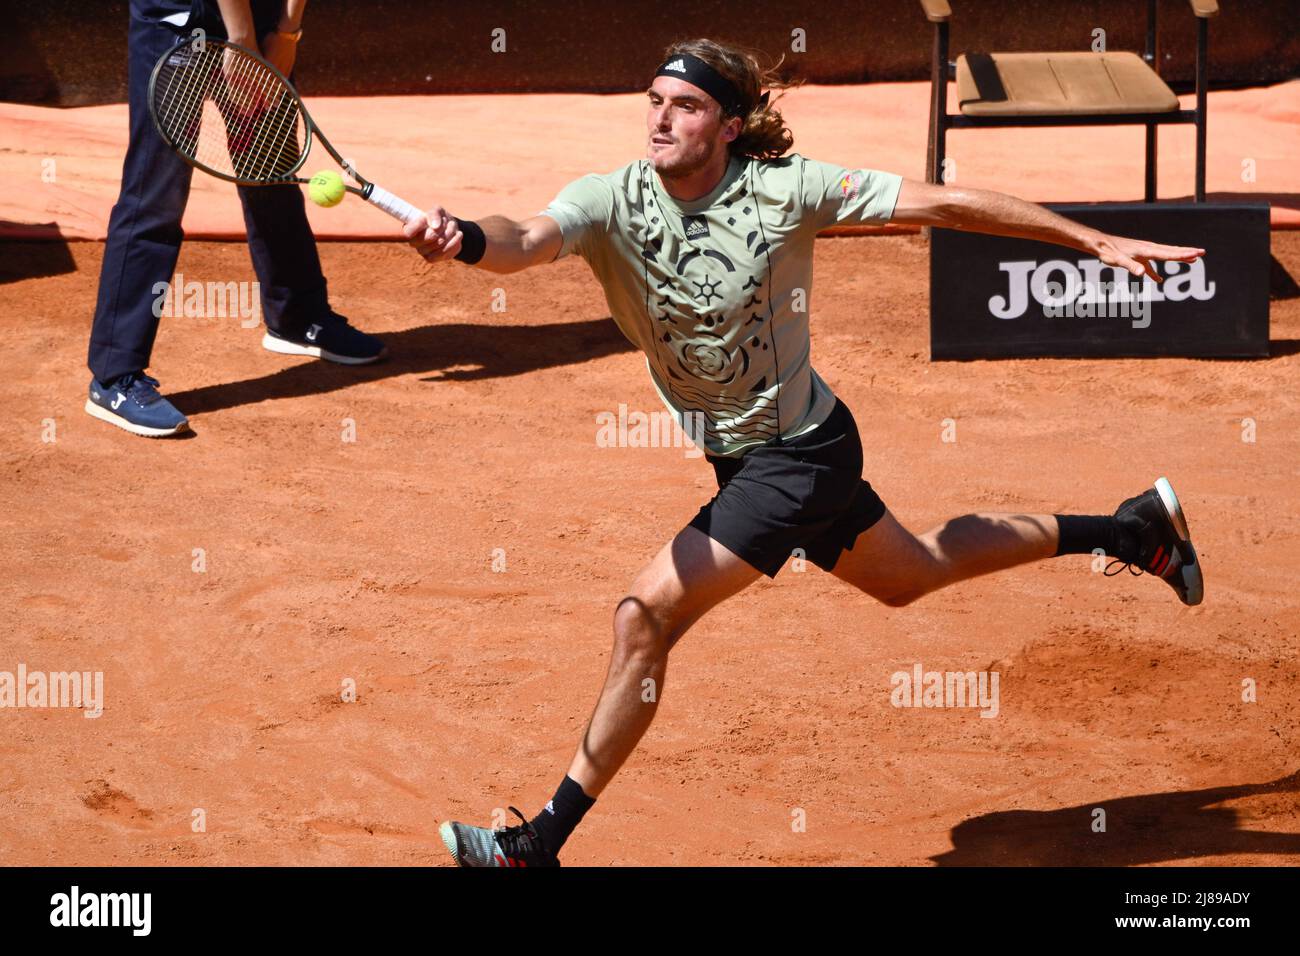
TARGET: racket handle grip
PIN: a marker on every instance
(395, 206)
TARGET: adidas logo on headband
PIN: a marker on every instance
(694, 70)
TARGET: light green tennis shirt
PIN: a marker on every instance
(717, 292)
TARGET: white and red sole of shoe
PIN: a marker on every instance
(1170, 500)
(1193, 580)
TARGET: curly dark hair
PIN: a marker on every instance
(764, 134)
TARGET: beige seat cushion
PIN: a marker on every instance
(1059, 84)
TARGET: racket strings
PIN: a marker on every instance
(227, 111)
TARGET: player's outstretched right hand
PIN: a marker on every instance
(435, 235)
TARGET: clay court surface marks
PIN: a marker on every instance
(372, 560)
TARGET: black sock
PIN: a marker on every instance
(564, 812)
(1083, 534)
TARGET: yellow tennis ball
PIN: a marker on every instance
(326, 188)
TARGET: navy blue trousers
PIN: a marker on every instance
(144, 230)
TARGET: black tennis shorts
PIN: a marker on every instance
(805, 492)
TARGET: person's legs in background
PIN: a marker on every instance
(283, 250)
(144, 240)
(295, 304)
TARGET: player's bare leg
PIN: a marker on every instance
(692, 574)
(1147, 533)
(896, 567)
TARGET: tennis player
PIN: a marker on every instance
(705, 250)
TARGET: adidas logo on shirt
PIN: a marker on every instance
(677, 66)
(696, 227)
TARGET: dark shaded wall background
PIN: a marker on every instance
(73, 52)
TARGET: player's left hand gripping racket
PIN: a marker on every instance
(230, 113)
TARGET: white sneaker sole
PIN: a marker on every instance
(105, 415)
(1193, 581)
(1170, 500)
(449, 840)
(285, 347)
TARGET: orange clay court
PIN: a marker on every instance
(373, 560)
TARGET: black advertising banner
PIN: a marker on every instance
(992, 297)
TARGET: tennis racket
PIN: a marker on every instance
(227, 111)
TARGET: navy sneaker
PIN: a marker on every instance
(1164, 544)
(331, 339)
(132, 402)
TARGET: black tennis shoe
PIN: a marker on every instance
(519, 845)
(1164, 544)
(331, 339)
